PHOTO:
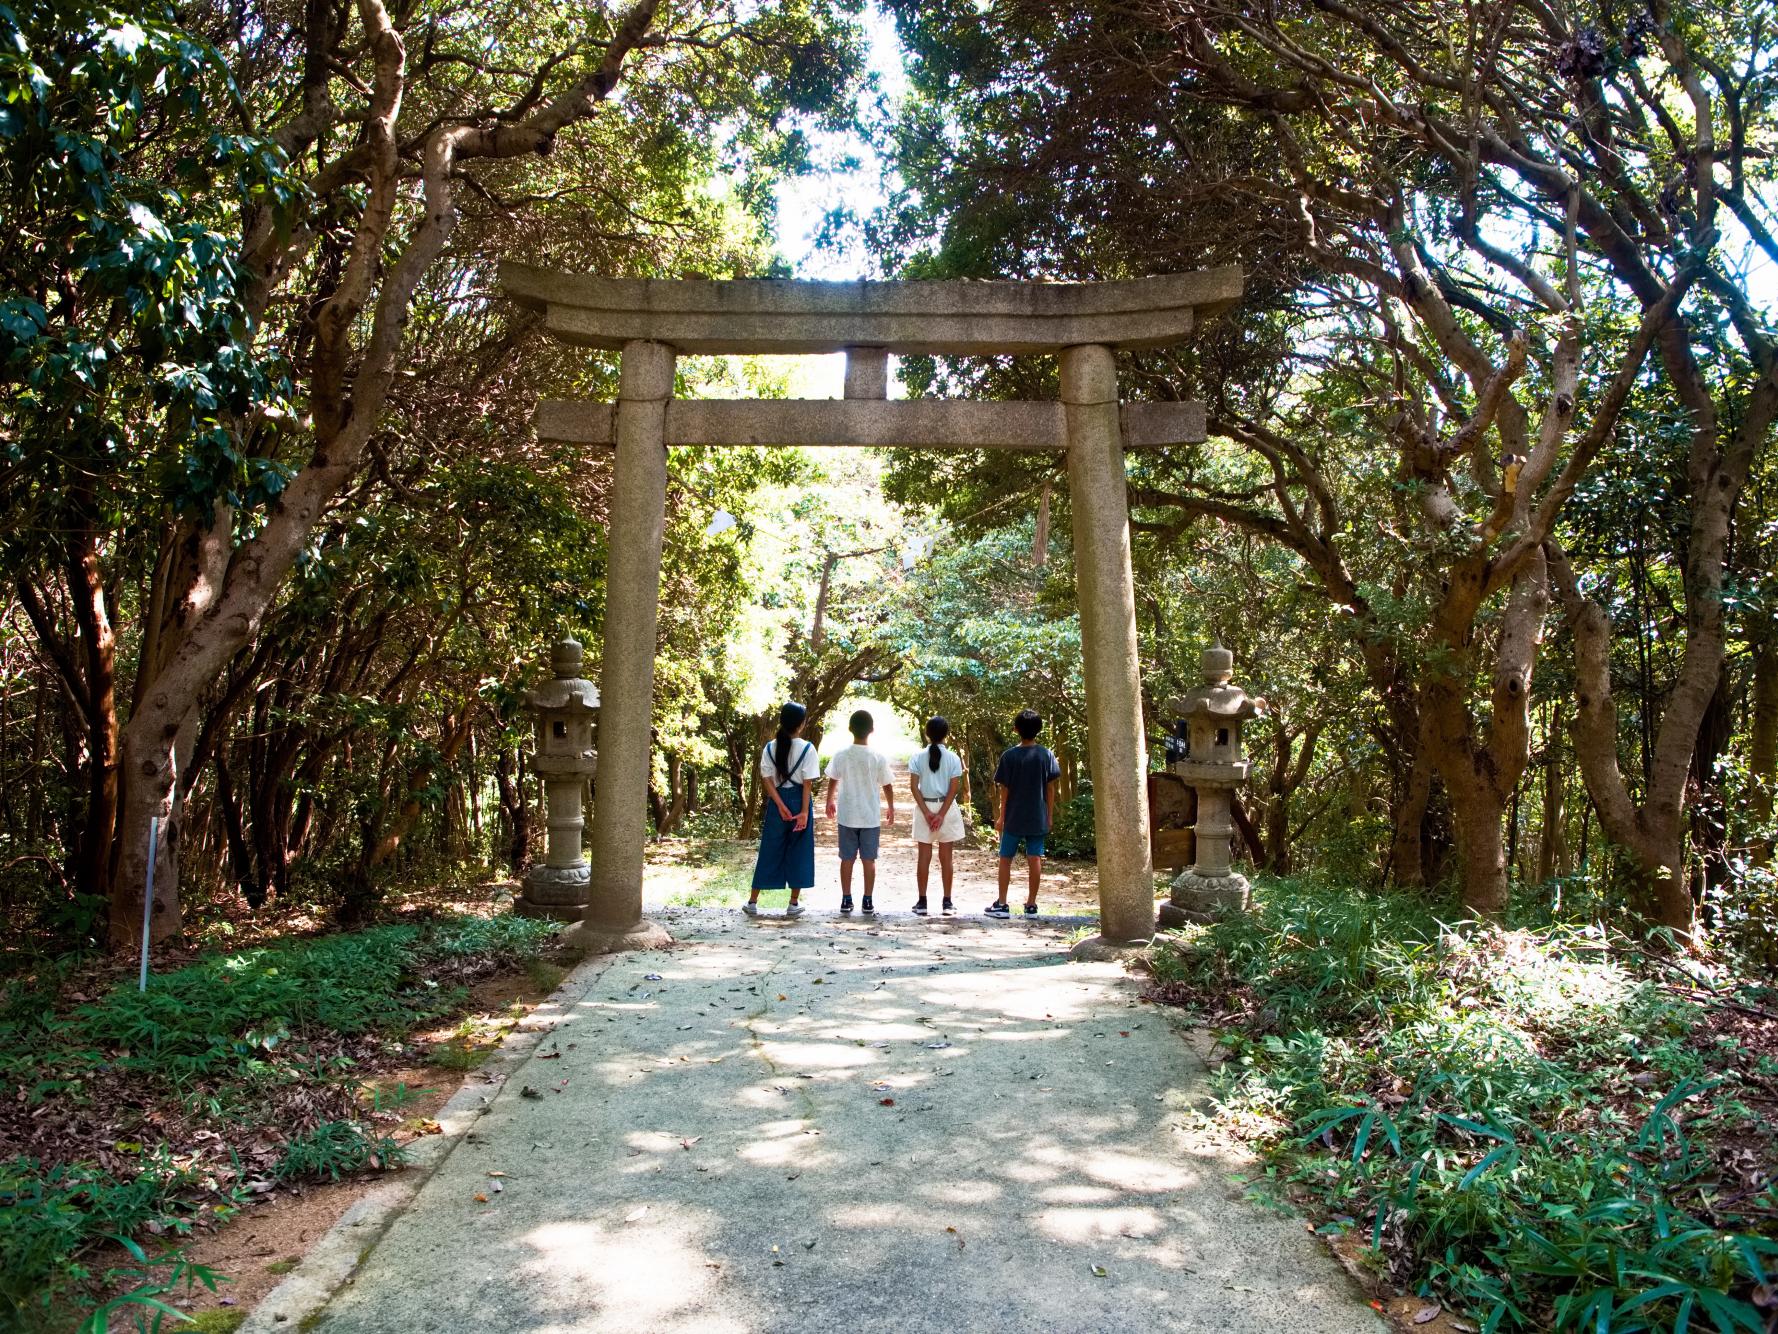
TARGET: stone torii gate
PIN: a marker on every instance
(651, 321)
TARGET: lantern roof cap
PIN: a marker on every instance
(576, 695)
(1222, 701)
(568, 690)
(1216, 698)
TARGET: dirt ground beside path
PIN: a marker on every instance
(715, 873)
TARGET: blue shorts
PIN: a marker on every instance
(858, 843)
(1009, 844)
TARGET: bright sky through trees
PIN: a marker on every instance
(847, 185)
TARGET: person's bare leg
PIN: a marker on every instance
(1034, 873)
(944, 866)
(922, 872)
(870, 877)
(1005, 878)
(846, 877)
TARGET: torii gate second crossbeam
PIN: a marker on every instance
(651, 321)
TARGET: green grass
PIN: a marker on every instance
(1525, 1125)
(723, 883)
(217, 1321)
(230, 1042)
(544, 975)
(459, 1054)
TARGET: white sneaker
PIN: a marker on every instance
(751, 909)
(794, 910)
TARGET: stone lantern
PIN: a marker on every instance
(1214, 765)
(567, 710)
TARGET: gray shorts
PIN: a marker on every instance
(858, 843)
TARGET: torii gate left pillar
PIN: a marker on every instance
(637, 525)
(1081, 323)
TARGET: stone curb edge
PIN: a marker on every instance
(335, 1257)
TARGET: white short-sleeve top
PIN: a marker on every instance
(805, 766)
(935, 783)
(862, 774)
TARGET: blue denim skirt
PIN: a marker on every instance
(786, 857)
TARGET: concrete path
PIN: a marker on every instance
(840, 1126)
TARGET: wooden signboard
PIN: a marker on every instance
(1172, 810)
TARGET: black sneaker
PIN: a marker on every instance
(998, 910)
(1030, 910)
(870, 909)
(920, 906)
(948, 906)
(845, 903)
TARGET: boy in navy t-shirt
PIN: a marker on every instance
(1026, 781)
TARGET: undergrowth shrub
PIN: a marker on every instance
(334, 1149)
(219, 1040)
(52, 1216)
(1072, 833)
(1522, 1123)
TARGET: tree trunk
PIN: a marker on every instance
(750, 808)
(514, 809)
(1408, 849)
(188, 639)
(671, 813)
(1292, 754)
(1481, 775)
(1277, 838)
(1512, 835)
(239, 855)
(1551, 843)
(147, 793)
(1250, 839)
(419, 779)
(1482, 852)
(1762, 744)
(1709, 818)
(93, 859)
(1652, 832)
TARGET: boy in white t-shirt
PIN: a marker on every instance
(853, 778)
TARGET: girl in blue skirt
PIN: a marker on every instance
(787, 827)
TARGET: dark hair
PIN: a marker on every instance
(937, 729)
(1028, 724)
(862, 724)
(790, 717)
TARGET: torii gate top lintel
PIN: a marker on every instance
(952, 317)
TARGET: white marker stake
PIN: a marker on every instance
(154, 838)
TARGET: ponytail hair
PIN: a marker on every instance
(937, 729)
(790, 717)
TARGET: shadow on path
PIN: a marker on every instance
(845, 1127)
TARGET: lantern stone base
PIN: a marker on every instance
(644, 935)
(556, 892)
(1097, 949)
(1201, 898)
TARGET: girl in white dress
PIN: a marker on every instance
(935, 775)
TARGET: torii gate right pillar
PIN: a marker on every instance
(1105, 589)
